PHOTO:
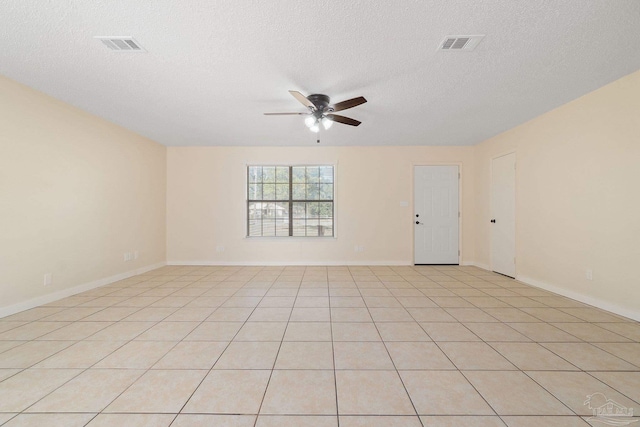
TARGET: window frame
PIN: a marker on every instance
(290, 200)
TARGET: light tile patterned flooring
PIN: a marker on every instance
(318, 347)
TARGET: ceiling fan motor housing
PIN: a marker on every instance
(319, 100)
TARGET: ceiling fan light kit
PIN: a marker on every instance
(321, 110)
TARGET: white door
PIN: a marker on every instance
(503, 215)
(436, 214)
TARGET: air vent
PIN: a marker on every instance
(121, 43)
(460, 43)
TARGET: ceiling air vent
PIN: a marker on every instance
(460, 43)
(121, 43)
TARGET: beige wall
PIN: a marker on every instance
(76, 192)
(206, 204)
(578, 203)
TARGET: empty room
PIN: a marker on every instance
(319, 214)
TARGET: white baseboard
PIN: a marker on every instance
(605, 305)
(64, 293)
(477, 264)
(286, 263)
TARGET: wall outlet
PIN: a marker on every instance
(589, 274)
(219, 248)
(358, 248)
(136, 254)
(48, 279)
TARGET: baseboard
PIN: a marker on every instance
(64, 293)
(605, 305)
(287, 263)
(477, 264)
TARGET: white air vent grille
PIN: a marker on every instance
(460, 43)
(121, 43)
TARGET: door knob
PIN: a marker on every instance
(493, 221)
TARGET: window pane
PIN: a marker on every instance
(313, 191)
(255, 192)
(313, 174)
(299, 210)
(326, 174)
(268, 191)
(325, 210)
(269, 210)
(282, 174)
(326, 191)
(299, 192)
(312, 227)
(255, 228)
(255, 211)
(268, 227)
(299, 227)
(282, 191)
(312, 210)
(268, 174)
(298, 174)
(255, 173)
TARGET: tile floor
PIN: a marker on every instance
(317, 347)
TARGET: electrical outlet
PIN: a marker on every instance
(589, 274)
(135, 254)
(361, 249)
(48, 279)
(219, 248)
(125, 257)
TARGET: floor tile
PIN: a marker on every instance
(300, 393)
(626, 351)
(496, 332)
(261, 331)
(588, 357)
(532, 357)
(475, 356)
(137, 355)
(522, 396)
(355, 332)
(321, 314)
(229, 392)
(402, 331)
(214, 331)
(270, 314)
(448, 331)
(186, 420)
(308, 331)
(90, 391)
(168, 331)
(158, 391)
(192, 355)
(305, 355)
(434, 393)
(386, 314)
(574, 388)
(248, 355)
(466, 421)
(121, 331)
(380, 421)
(30, 353)
(627, 383)
(350, 315)
(24, 389)
(543, 332)
(590, 332)
(418, 356)
(431, 315)
(50, 420)
(372, 393)
(224, 314)
(132, 420)
(361, 355)
(297, 421)
(531, 421)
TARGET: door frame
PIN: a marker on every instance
(413, 204)
(515, 202)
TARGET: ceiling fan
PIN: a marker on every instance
(321, 111)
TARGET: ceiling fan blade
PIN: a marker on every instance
(349, 103)
(303, 99)
(343, 119)
(287, 114)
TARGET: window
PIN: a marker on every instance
(290, 201)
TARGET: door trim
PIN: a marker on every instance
(412, 206)
(515, 210)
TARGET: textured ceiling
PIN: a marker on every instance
(213, 67)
